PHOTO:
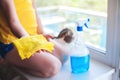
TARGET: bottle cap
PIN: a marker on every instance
(79, 28)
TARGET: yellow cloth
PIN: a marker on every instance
(28, 45)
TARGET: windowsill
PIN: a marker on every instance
(97, 71)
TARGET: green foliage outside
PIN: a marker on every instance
(84, 4)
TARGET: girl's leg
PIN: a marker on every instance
(59, 52)
(40, 64)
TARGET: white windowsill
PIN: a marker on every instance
(97, 71)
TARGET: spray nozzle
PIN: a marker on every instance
(82, 23)
(86, 23)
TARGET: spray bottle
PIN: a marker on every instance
(80, 57)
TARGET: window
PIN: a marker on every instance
(104, 29)
(71, 10)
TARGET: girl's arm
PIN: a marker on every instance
(9, 10)
(40, 29)
(39, 24)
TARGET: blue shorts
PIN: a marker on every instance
(5, 48)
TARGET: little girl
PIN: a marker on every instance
(19, 21)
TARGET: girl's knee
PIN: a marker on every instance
(52, 69)
(49, 70)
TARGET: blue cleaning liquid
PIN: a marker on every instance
(80, 64)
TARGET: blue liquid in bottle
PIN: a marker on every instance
(80, 64)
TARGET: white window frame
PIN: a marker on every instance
(112, 54)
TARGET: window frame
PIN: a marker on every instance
(111, 55)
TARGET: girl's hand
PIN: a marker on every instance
(48, 36)
(42, 50)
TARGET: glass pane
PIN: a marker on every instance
(57, 14)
